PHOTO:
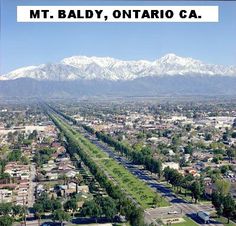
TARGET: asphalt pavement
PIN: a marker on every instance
(32, 185)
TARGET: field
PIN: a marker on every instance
(136, 188)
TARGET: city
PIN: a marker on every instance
(132, 162)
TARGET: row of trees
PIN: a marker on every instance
(45, 204)
(221, 199)
(99, 207)
(224, 205)
(177, 180)
(141, 157)
(123, 203)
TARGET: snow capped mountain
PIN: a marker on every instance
(106, 68)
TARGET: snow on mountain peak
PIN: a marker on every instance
(107, 68)
(80, 61)
(171, 58)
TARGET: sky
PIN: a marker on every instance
(25, 44)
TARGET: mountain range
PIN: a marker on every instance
(106, 68)
(89, 76)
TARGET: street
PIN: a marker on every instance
(177, 203)
(32, 185)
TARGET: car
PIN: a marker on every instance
(173, 212)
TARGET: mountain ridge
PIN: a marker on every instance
(147, 86)
(107, 68)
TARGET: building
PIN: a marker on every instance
(172, 165)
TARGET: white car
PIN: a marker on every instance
(172, 212)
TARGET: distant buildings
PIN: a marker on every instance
(172, 165)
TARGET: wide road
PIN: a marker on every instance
(181, 205)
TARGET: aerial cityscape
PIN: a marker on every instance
(112, 162)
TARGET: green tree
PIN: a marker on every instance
(188, 149)
(56, 204)
(5, 208)
(125, 207)
(228, 206)
(61, 216)
(64, 178)
(15, 155)
(5, 176)
(224, 169)
(78, 179)
(188, 127)
(208, 136)
(71, 204)
(175, 140)
(216, 159)
(146, 150)
(108, 206)
(186, 182)
(225, 136)
(230, 153)
(196, 190)
(47, 203)
(38, 210)
(173, 176)
(136, 218)
(33, 135)
(91, 209)
(18, 210)
(222, 186)
(217, 202)
(6, 220)
(233, 135)
(25, 160)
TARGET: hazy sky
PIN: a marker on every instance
(24, 44)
